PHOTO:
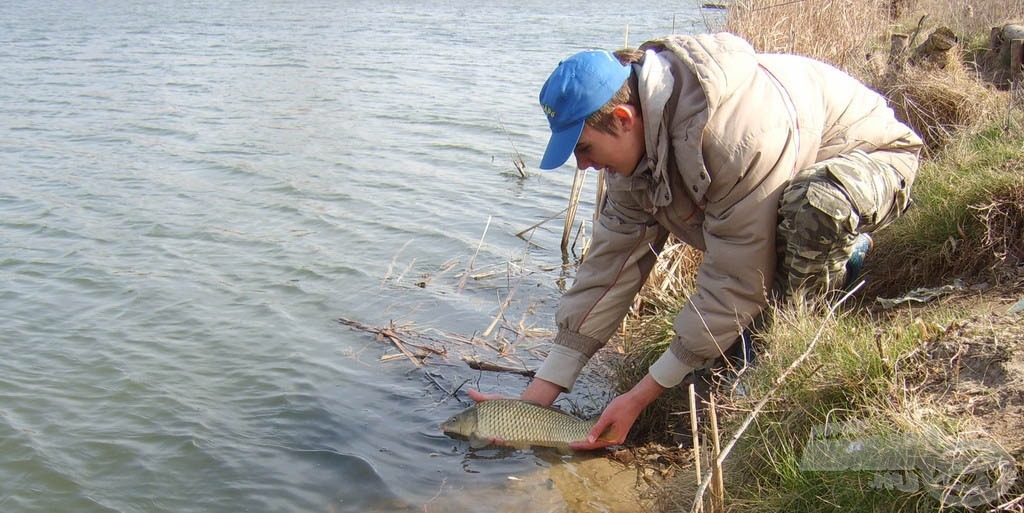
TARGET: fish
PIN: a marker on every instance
(517, 423)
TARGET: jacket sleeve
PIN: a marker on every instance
(624, 247)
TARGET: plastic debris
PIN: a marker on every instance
(922, 295)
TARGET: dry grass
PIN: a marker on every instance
(966, 17)
(1003, 219)
(841, 33)
(938, 103)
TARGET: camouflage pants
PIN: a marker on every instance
(822, 211)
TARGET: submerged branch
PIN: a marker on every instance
(477, 364)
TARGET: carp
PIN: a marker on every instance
(517, 423)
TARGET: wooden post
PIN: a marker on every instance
(1007, 34)
(1016, 56)
(995, 39)
(897, 53)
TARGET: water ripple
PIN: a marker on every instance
(192, 193)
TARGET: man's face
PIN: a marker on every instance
(619, 152)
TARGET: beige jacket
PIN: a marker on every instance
(726, 128)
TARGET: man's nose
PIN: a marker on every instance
(582, 163)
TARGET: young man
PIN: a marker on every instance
(772, 165)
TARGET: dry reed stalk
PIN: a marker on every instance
(517, 161)
(574, 204)
(535, 225)
(391, 335)
(401, 347)
(405, 271)
(504, 306)
(718, 483)
(837, 33)
(695, 433)
(465, 276)
(478, 364)
(391, 266)
(399, 337)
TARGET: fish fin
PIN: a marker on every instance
(477, 442)
(547, 407)
(520, 446)
(606, 436)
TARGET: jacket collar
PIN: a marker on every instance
(656, 85)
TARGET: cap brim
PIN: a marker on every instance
(561, 145)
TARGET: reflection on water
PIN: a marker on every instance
(193, 192)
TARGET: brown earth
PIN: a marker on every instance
(974, 368)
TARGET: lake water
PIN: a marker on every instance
(191, 195)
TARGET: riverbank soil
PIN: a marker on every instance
(974, 368)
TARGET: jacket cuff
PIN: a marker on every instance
(562, 366)
(668, 371)
(578, 342)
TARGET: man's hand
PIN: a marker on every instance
(479, 397)
(539, 391)
(617, 419)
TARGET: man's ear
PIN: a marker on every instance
(626, 115)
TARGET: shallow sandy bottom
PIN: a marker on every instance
(571, 484)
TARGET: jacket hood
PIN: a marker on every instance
(721, 64)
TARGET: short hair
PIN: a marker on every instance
(627, 94)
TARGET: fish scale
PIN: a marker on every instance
(517, 423)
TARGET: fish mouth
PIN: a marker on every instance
(455, 434)
(451, 430)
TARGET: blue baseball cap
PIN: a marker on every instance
(578, 87)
